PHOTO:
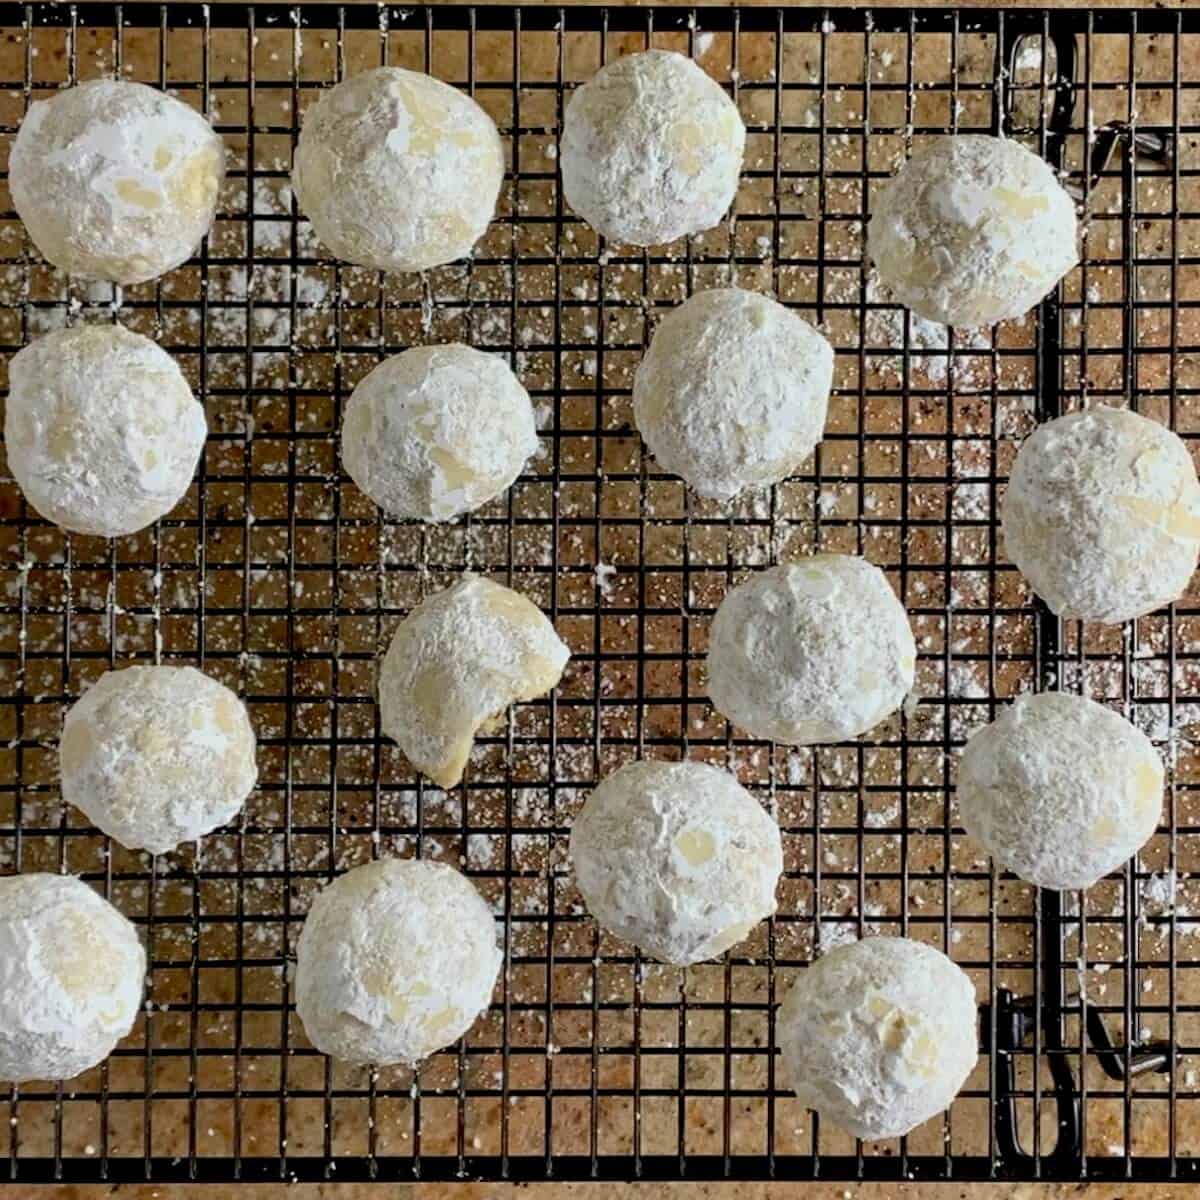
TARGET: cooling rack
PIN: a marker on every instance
(277, 577)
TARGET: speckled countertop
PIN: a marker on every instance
(693, 1191)
(611, 1191)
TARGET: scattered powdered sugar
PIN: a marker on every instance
(605, 573)
(267, 291)
(964, 683)
(1158, 891)
(931, 353)
(836, 933)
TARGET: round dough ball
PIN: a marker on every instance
(456, 663)
(677, 858)
(879, 1035)
(396, 960)
(809, 652)
(115, 180)
(651, 149)
(72, 973)
(157, 756)
(397, 170)
(437, 431)
(1060, 790)
(973, 230)
(102, 430)
(733, 392)
(1102, 515)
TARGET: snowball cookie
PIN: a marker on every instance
(72, 973)
(1060, 790)
(103, 433)
(733, 392)
(437, 431)
(813, 651)
(677, 858)
(878, 1036)
(1102, 515)
(156, 756)
(397, 170)
(457, 662)
(116, 180)
(396, 960)
(972, 230)
(651, 149)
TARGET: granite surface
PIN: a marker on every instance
(611, 1191)
(1103, 1129)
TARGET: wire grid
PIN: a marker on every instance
(277, 577)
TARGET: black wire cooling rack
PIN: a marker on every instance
(276, 576)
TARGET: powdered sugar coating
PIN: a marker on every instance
(1060, 789)
(677, 858)
(437, 431)
(398, 170)
(157, 756)
(115, 180)
(813, 651)
(457, 661)
(396, 960)
(102, 430)
(972, 230)
(880, 1035)
(1102, 515)
(733, 391)
(72, 972)
(651, 149)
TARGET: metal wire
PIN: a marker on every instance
(276, 576)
